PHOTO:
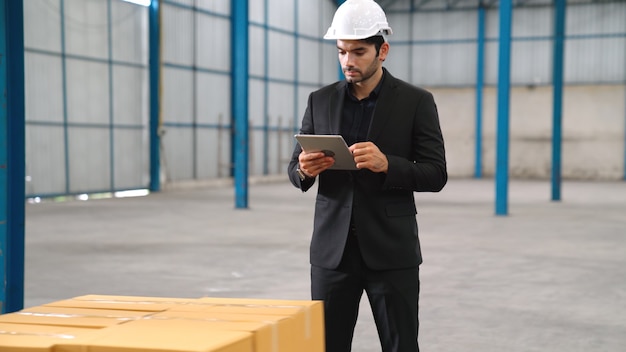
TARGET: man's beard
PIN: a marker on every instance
(369, 72)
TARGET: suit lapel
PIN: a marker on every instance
(334, 108)
(384, 107)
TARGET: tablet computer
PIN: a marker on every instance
(332, 145)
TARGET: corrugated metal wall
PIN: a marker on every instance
(196, 86)
(86, 101)
(195, 89)
(288, 59)
(87, 77)
(440, 44)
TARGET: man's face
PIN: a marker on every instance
(358, 59)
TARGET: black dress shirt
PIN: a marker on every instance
(357, 114)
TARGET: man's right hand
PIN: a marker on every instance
(313, 164)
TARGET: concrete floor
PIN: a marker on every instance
(550, 276)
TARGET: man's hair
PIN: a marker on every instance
(377, 40)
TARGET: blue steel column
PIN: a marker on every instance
(239, 98)
(12, 155)
(557, 83)
(111, 97)
(154, 62)
(480, 58)
(339, 69)
(502, 130)
(66, 129)
(266, 86)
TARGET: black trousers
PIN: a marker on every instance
(393, 296)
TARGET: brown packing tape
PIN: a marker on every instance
(35, 338)
(137, 303)
(66, 316)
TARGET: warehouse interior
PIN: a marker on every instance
(145, 149)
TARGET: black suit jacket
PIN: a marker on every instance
(405, 127)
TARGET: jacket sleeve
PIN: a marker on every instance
(307, 128)
(425, 170)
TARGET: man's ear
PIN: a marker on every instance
(384, 50)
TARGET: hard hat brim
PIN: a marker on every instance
(330, 34)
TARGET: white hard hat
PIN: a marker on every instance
(358, 19)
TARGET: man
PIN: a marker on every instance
(365, 229)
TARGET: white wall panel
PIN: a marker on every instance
(256, 152)
(594, 60)
(281, 14)
(217, 6)
(531, 48)
(129, 37)
(178, 154)
(177, 104)
(131, 158)
(303, 96)
(187, 3)
(130, 101)
(399, 61)
(329, 65)
(281, 56)
(309, 18)
(177, 32)
(86, 28)
(44, 25)
(256, 105)
(256, 63)
(426, 64)
(256, 11)
(45, 160)
(458, 64)
(87, 91)
(281, 102)
(531, 62)
(532, 22)
(491, 63)
(213, 100)
(279, 152)
(213, 46)
(401, 25)
(492, 23)
(309, 59)
(89, 159)
(443, 25)
(596, 18)
(43, 88)
(213, 154)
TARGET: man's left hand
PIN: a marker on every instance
(368, 156)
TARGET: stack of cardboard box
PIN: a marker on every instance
(99, 323)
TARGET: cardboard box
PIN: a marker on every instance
(134, 324)
(308, 316)
(77, 317)
(38, 338)
(314, 330)
(163, 336)
(264, 335)
(272, 333)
